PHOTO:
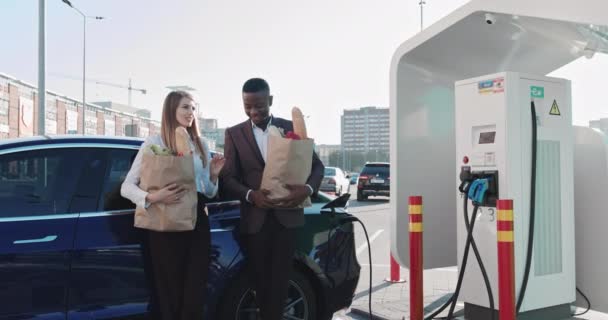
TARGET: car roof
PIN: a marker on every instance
(12, 143)
(38, 140)
(377, 164)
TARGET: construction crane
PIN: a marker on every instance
(104, 83)
(129, 87)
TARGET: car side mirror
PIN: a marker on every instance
(348, 176)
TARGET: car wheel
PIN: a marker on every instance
(239, 301)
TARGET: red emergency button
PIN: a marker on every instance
(465, 160)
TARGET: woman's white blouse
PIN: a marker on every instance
(130, 187)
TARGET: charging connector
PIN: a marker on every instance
(467, 177)
(477, 191)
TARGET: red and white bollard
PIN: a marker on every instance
(506, 260)
(416, 265)
(395, 271)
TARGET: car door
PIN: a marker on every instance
(36, 231)
(108, 275)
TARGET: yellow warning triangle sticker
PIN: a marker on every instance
(555, 109)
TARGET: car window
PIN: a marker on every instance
(373, 170)
(89, 185)
(38, 182)
(329, 172)
(119, 165)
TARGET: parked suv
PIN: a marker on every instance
(68, 248)
(374, 180)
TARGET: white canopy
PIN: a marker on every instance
(530, 36)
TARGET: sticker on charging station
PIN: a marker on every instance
(537, 92)
(485, 86)
(499, 85)
(491, 86)
(555, 109)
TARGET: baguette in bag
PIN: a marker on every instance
(299, 126)
(288, 161)
(182, 143)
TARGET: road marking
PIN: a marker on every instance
(371, 239)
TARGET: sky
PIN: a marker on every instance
(322, 56)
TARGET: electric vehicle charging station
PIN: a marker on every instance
(484, 37)
(494, 140)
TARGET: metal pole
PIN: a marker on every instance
(131, 88)
(422, 3)
(41, 66)
(84, 67)
(84, 61)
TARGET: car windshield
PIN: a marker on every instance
(376, 169)
(330, 172)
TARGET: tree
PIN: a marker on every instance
(335, 159)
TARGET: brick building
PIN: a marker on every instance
(19, 114)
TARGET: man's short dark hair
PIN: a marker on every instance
(254, 85)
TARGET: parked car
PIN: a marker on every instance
(374, 180)
(68, 248)
(335, 181)
(354, 177)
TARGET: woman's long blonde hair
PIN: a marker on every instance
(169, 124)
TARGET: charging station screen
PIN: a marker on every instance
(487, 137)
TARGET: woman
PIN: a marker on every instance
(179, 259)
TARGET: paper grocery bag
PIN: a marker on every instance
(158, 172)
(288, 161)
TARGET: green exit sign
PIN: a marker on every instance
(537, 92)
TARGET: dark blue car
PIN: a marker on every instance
(68, 248)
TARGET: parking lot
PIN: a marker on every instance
(374, 213)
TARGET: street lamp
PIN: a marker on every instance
(84, 52)
(422, 3)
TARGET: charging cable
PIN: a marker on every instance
(348, 218)
(351, 218)
(524, 285)
(476, 191)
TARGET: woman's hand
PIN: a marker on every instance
(217, 163)
(168, 195)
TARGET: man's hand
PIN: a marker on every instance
(260, 199)
(297, 194)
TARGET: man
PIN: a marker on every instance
(269, 227)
